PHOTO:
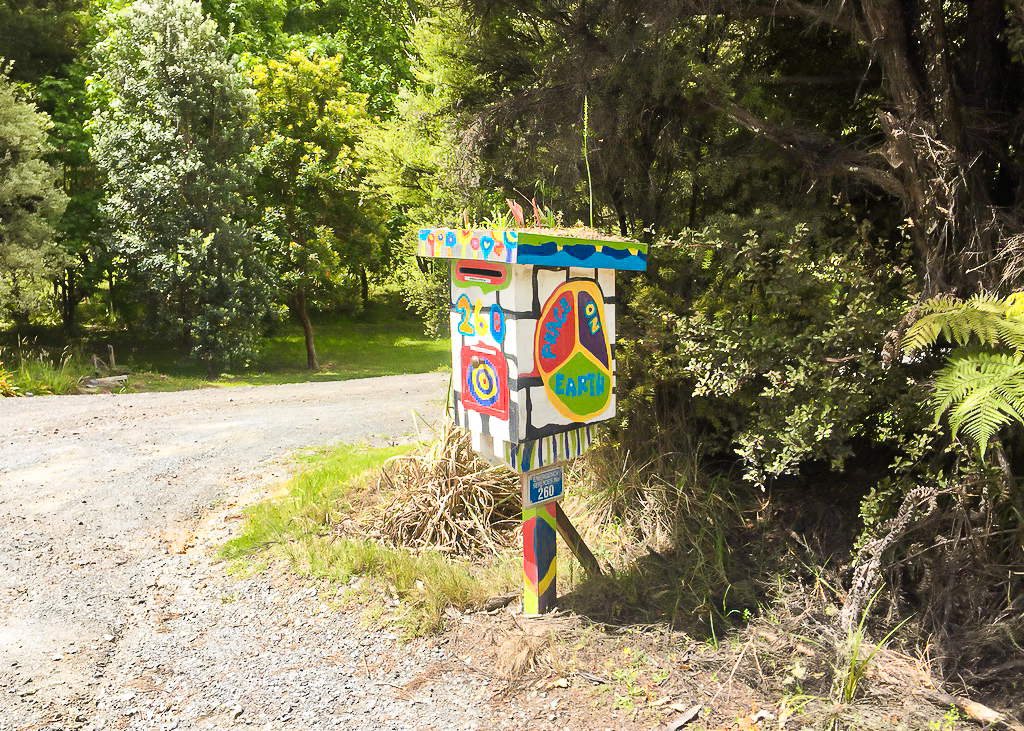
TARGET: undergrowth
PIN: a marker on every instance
(36, 370)
(666, 522)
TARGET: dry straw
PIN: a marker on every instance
(444, 497)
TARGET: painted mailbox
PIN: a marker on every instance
(533, 358)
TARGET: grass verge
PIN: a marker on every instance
(627, 651)
(315, 527)
(28, 372)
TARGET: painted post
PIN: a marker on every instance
(533, 363)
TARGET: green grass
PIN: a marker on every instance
(41, 372)
(314, 499)
(300, 528)
(383, 340)
(347, 349)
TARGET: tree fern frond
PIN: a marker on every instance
(984, 319)
(981, 415)
(1015, 305)
(922, 334)
(982, 392)
(1011, 332)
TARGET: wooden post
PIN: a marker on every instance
(541, 490)
(540, 570)
(575, 542)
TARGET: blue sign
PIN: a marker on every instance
(542, 486)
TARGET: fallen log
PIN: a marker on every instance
(977, 711)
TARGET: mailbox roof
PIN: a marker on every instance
(531, 247)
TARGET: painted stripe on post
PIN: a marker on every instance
(540, 574)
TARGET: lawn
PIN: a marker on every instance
(347, 349)
(383, 340)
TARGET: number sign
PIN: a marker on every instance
(543, 486)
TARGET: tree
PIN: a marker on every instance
(911, 105)
(171, 135)
(47, 41)
(947, 120)
(79, 234)
(371, 35)
(30, 203)
(425, 158)
(40, 36)
(310, 180)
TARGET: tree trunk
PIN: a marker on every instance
(110, 293)
(364, 287)
(67, 294)
(302, 312)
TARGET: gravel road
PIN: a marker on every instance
(107, 621)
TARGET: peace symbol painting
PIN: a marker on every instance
(533, 338)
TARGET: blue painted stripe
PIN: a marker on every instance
(581, 255)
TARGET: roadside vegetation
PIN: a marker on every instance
(819, 388)
(425, 540)
(382, 340)
(334, 523)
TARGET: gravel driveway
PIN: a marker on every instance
(107, 622)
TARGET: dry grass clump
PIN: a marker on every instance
(446, 498)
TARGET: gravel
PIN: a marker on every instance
(109, 623)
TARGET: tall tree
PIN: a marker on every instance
(30, 203)
(916, 102)
(171, 136)
(371, 35)
(87, 259)
(40, 36)
(47, 41)
(310, 182)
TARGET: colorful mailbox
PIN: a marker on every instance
(533, 358)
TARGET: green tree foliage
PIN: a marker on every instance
(424, 158)
(30, 203)
(170, 134)
(914, 105)
(79, 234)
(661, 157)
(254, 26)
(371, 35)
(40, 36)
(419, 161)
(326, 228)
(48, 40)
(772, 342)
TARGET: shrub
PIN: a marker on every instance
(773, 340)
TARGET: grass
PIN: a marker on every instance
(383, 340)
(304, 527)
(24, 371)
(780, 658)
(662, 522)
(318, 497)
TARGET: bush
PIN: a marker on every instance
(773, 339)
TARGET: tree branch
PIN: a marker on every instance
(821, 154)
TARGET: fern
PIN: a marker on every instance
(981, 387)
(983, 319)
(983, 392)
